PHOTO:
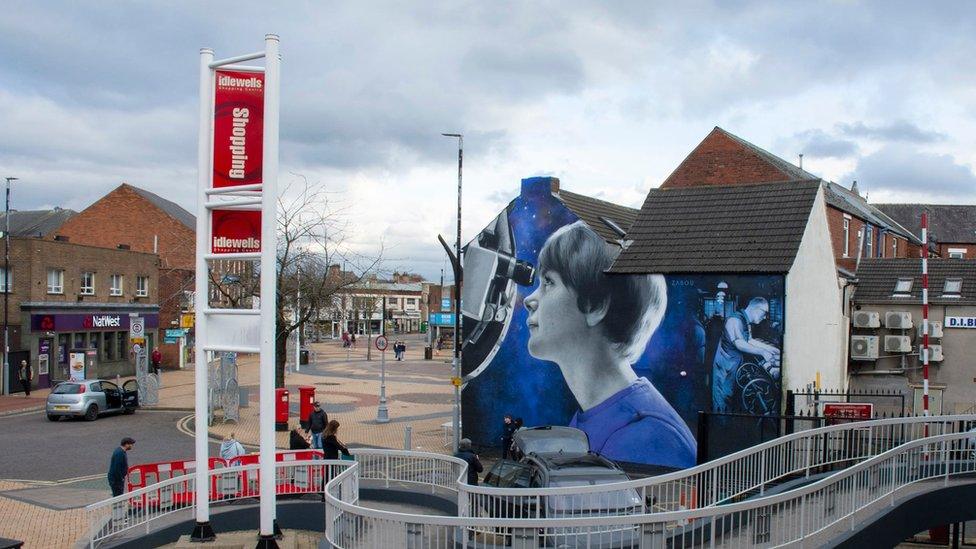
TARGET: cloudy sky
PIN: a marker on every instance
(610, 98)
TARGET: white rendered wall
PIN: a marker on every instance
(816, 329)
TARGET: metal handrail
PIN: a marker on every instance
(775, 520)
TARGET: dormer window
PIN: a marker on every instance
(952, 287)
(903, 288)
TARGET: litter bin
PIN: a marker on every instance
(428, 353)
(303, 357)
(281, 409)
(306, 397)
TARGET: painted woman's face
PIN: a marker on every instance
(555, 321)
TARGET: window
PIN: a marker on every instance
(87, 283)
(952, 287)
(55, 281)
(869, 241)
(5, 279)
(881, 245)
(142, 286)
(116, 285)
(894, 247)
(121, 346)
(903, 287)
(109, 348)
(957, 253)
(847, 237)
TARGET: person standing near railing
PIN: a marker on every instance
(330, 443)
(317, 421)
(118, 467)
(474, 462)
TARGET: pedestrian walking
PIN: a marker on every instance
(331, 443)
(403, 349)
(25, 375)
(118, 467)
(230, 448)
(345, 339)
(508, 429)
(157, 359)
(317, 422)
(298, 440)
(352, 340)
(474, 462)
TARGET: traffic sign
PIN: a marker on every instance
(381, 343)
(137, 327)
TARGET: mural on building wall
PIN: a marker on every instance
(630, 359)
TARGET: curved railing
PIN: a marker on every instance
(814, 514)
(611, 514)
(749, 472)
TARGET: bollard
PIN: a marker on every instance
(407, 431)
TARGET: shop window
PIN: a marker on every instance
(55, 281)
(109, 346)
(142, 286)
(122, 347)
(93, 340)
(79, 341)
(87, 283)
(116, 285)
(6, 279)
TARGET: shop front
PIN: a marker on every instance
(59, 337)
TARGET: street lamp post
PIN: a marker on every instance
(383, 412)
(458, 275)
(6, 290)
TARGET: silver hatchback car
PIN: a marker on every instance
(90, 398)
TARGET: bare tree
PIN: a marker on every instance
(310, 238)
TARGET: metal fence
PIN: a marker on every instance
(721, 503)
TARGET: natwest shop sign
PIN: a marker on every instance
(238, 128)
(86, 322)
(235, 231)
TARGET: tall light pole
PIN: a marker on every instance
(6, 290)
(457, 300)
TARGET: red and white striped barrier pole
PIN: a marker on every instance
(925, 314)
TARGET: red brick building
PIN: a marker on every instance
(856, 227)
(132, 218)
(952, 227)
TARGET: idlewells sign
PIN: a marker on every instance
(238, 128)
(235, 231)
(960, 322)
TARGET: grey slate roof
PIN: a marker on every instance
(947, 223)
(35, 223)
(172, 208)
(877, 277)
(719, 229)
(591, 209)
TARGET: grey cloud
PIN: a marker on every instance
(898, 168)
(898, 131)
(819, 144)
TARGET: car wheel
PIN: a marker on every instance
(91, 414)
(52, 417)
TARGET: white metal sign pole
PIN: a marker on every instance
(269, 218)
(202, 531)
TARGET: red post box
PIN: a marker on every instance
(306, 397)
(281, 409)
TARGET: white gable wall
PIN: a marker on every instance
(816, 329)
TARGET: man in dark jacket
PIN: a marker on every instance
(508, 429)
(317, 420)
(118, 468)
(474, 462)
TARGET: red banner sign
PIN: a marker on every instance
(235, 231)
(238, 133)
(848, 410)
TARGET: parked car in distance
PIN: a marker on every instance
(90, 398)
(559, 457)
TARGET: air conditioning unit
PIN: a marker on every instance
(898, 320)
(935, 353)
(897, 344)
(864, 347)
(935, 329)
(866, 319)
